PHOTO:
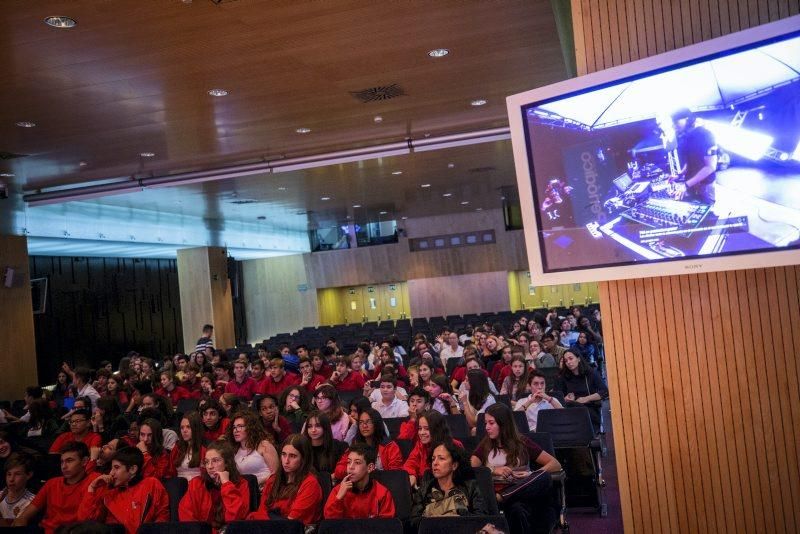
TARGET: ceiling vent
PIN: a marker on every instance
(374, 94)
(9, 155)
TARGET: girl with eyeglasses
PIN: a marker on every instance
(326, 399)
(293, 492)
(295, 403)
(372, 433)
(256, 455)
(220, 494)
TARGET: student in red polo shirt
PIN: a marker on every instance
(308, 378)
(293, 492)
(80, 425)
(242, 385)
(278, 379)
(258, 372)
(344, 378)
(124, 497)
(61, 496)
(215, 420)
(319, 364)
(171, 391)
(358, 496)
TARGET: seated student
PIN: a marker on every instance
(156, 457)
(278, 379)
(319, 364)
(242, 385)
(16, 496)
(222, 375)
(449, 485)
(293, 492)
(358, 496)
(231, 403)
(42, 423)
(373, 433)
(516, 384)
(432, 430)
(344, 378)
(327, 401)
(510, 455)
(325, 450)
(536, 401)
(419, 401)
(170, 437)
(80, 423)
(100, 457)
(107, 419)
(276, 426)
(187, 455)
(220, 494)
(442, 399)
(309, 378)
(295, 404)
(389, 406)
(170, 389)
(209, 388)
(61, 496)
(476, 399)
(215, 422)
(125, 496)
(502, 368)
(255, 453)
(582, 385)
(258, 373)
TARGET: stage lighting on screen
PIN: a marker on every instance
(746, 143)
(796, 155)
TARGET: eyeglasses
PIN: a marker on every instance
(209, 461)
(295, 396)
(321, 397)
(366, 423)
(238, 427)
(77, 421)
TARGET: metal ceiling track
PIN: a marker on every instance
(132, 185)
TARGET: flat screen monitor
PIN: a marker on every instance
(688, 161)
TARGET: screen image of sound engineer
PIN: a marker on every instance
(698, 157)
(556, 204)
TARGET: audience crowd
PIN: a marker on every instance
(307, 430)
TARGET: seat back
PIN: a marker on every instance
(461, 524)
(483, 476)
(272, 526)
(393, 424)
(543, 440)
(176, 488)
(186, 405)
(361, 526)
(255, 494)
(176, 527)
(458, 425)
(398, 484)
(520, 420)
(505, 399)
(325, 482)
(568, 428)
(406, 446)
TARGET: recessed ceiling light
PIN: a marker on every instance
(26, 124)
(425, 185)
(438, 52)
(465, 203)
(281, 189)
(404, 217)
(147, 154)
(356, 206)
(218, 92)
(478, 102)
(7, 174)
(325, 198)
(447, 195)
(451, 165)
(378, 118)
(303, 130)
(60, 22)
(82, 164)
(397, 172)
(478, 209)
(383, 213)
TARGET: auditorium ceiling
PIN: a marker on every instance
(124, 95)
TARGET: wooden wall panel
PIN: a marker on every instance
(101, 308)
(205, 294)
(450, 295)
(16, 316)
(711, 443)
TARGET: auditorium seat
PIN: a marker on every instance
(461, 524)
(361, 526)
(545, 441)
(176, 527)
(255, 494)
(271, 526)
(176, 488)
(483, 476)
(397, 482)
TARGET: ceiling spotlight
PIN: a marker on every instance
(404, 217)
(281, 189)
(147, 154)
(26, 124)
(378, 118)
(447, 195)
(397, 172)
(356, 206)
(451, 165)
(60, 22)
(218, 92)
(383, 213)
(303, 130)
(478, 209)
(465, 203)
(438, 52)
(478, 102)
(425, 185)
(325, 198)
(82, 164)
(6, 174)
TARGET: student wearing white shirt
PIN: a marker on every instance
(451, 350)
(389, 406)
(536, 401)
